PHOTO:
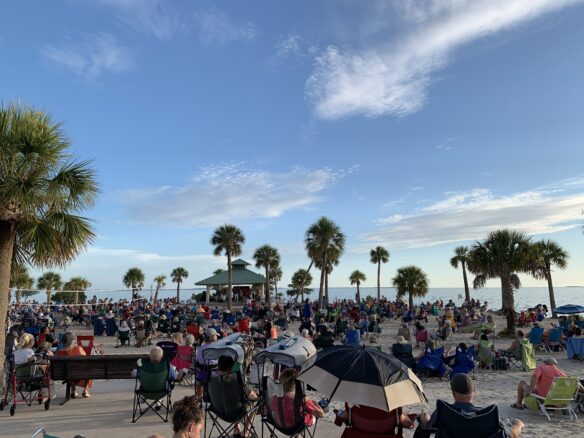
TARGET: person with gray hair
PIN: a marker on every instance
(541, 381)
(71, 349)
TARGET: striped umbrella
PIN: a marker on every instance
(363, 376)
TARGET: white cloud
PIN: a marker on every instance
(469, 215)
(152, 17)
(216, 28)
(98, 54)
(230, 192)
(393, 78)
(289, 49)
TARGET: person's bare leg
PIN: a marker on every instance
(522, 391)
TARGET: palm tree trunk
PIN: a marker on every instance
(156, 294)
(269, 295)
(18, 296)
(178, 292)
(7, 238)
(358, 294)
(321, 288)
(379, 281)
(304, 278)
(326, 292)
(230, 280)
(466, 289)
(548, 274)
(411, 300)
(508, 301)
(48, 299)
(76, 297)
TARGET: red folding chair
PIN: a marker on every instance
(85, 342)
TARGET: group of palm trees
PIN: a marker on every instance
(72, 291)
(504, 254)
(134, 279)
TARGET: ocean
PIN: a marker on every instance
(524, 297)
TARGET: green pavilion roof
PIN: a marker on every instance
(241, 275)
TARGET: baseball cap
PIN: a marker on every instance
(550, 361)
(462, 384)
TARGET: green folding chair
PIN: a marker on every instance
(153, 390)
(42, 434)
(560, 397)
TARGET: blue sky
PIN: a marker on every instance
(418, 125)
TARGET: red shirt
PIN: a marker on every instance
(545, 375)
(288, 410)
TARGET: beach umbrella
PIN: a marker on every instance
(362, 376)
(570, 309)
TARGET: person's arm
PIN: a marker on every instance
(406, 421)
(313, 408)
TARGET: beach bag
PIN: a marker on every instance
(500, 363)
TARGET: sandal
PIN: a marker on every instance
(86, 394)
(514, 406)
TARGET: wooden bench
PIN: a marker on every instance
(97, 367)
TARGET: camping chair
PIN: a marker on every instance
(451, 423)
(431, 363)
(275, 419)
(562, 394)
(536, 339)
(366, 421)
(169, 349)
(404, 353)
(41, 433)
(421, 337)
(184, 360)
(86, 342)
(514, 358)
(124, 337)
(153, 389)
(527, 356)
(554, 341)
(226, 400)
(463, 362)
(353, 337)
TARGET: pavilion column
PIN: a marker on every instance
(262, 292)
(208, 294)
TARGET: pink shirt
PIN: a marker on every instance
(288, 410)
(545, 375)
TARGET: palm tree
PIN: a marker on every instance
(23, 282)
(545, 254)
(177, 276)
(300, 279)
(43, 189)
(134, 279)
(461, 256)
(357, 277)
(324, 241)
(275, 276)
(76, 284)
(378, 256)
(503, 254)
(266, 256)
(160, 281)
(411, 280)
(49, 281)
(228, 239)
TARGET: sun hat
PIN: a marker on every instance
(462, 384)
(550, 361)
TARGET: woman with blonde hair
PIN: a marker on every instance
(24, 352)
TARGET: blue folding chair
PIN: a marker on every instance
(554, 341)
(536, 338)
(463, 362)
(431, 363)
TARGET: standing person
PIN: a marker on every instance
(307, 309)
(541, 381)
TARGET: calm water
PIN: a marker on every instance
(525, 297)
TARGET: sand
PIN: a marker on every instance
(108, 412)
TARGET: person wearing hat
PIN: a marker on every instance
(541, 381)
(463, 391)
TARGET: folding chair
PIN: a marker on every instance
(86, 342)
(226, 401)
(514, 359)
(41, 433)
(275, 418)
(452, 423)
(169, 349)
(369, 422)
(562, 394)
(554, 341)
(431, 362)
(184, 360)
(536, 339)
(463, 362)
(527, 356)
(404, 353)
(152, 389)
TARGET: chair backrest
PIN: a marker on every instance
(374, 421)
(527, 355)
(153, 377)
(169, 348)
(536, 335)
(353, 337)
(555, 335)
(183, 358)
(226, 394)
(451, 423)
(85, 342)
(124, 334)
(287, 421)
(562, 392)
(422, 335)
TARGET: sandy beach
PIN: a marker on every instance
(108, 411)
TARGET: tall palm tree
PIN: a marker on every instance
(300, 279)
(545, 254)
(22, 281)
(503, 254)
(275, 276)
(50, 281)
(324, 240)
(228, 239)
(134, 279)
(78, 284)
(411, 280)
(160, 281)
(357, 277)
(265, 257)
(177, 276)
(461, 256)
(378, 256)
(43, 190)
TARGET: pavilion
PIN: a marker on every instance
(241, 277)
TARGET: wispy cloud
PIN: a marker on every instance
(229, 192)
(97, 55)
(290, 49)
(469, 215)
(217, 28)
(153, 17)
(393, 78)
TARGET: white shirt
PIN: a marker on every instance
(21, 356)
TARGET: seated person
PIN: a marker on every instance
(517, 341)
(352, 336)
(71, 349)
(463, 393)
(485, 351)
(324, 340)
(124, 333)
(402, 350)
(488, 327)
(156, 356)
(541, 381)
(188, 420)
(310, 409)
(24, 352)
(446, 331)
(405, 332)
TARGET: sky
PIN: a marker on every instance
(416, 125)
